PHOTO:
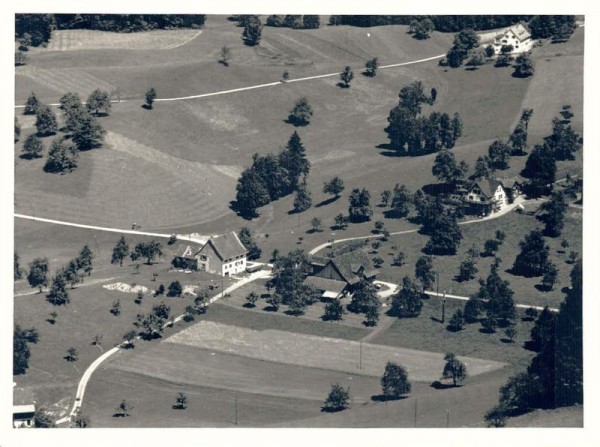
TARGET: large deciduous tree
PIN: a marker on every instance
(301, 113)
(98, 102)
(454, 369)
(38, 273)
(120, 251)
(533, 258)
(394, 382)
(360, 206)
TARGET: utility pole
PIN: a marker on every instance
(360, 358)
(448, 418)
(444, 307)
(236, 409)
(415, 412)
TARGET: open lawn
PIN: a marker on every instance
(427, 332)
(318, 352)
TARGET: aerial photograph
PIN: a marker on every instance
(297, 221)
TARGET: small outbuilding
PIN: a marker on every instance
(23, 408)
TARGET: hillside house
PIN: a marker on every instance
(483, 197)
(23, 408)
(517, 36)
(223, 254)
(337, 276)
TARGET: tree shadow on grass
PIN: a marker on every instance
(326, 202)
(270, 309)
(384, 398)
(342, 85)
(441, 386)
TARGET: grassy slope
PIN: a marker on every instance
(51, 377)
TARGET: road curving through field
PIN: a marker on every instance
(266, 85)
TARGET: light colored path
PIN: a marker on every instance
(501, 213)
(269, 84)
(182, 237)
(466, 298)
(90, 370)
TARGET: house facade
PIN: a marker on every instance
(337, 277)
(516, 36)
(223, 255)
(484, 197)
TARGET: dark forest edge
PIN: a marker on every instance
(39, 27)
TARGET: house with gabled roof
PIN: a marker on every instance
(516, 36)
(484, 196)
(339, 275)
(223, 254)
(23, 408)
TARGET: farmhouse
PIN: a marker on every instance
(339, 275)
(223, 254)
(23, 408)
(485, 196)
(513, 186)
(516, 36)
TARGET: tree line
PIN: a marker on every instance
(274, 176)
(411, 133)
(554, 377)
(36, 29)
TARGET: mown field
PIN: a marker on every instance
(224, 131)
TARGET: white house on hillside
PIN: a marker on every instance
(223, 254)
(516, 36)
(485, 196)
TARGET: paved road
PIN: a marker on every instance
(200, 240)
(90, 370)
(496, 215)
(269, 84)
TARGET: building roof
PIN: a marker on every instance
(187, 251)
(509, 182)
(488, 187)
(22, 396)
(349, 264)
(327, 285)
(520, 31)
(227, 245)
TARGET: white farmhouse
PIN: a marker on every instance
(485, 196)
(516, 36)
(224, 255)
